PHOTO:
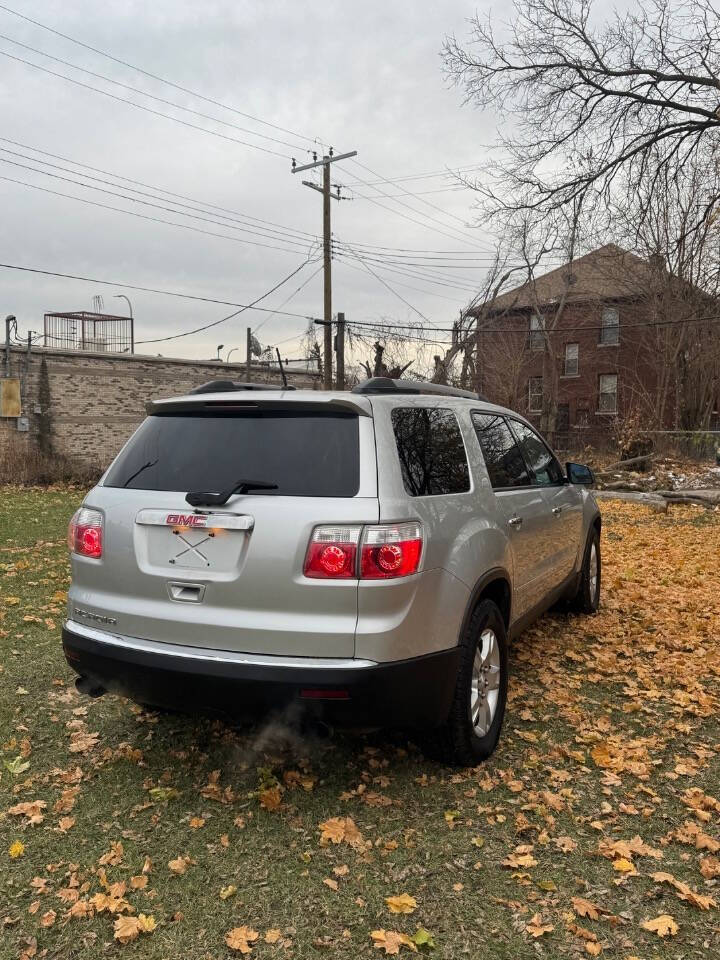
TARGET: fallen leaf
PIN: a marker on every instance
(16, 849)
(663, 925)
(402, 903)
(391, 941)
(228, 891)
(240, 938)
(536, 928)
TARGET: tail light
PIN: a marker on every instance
(390, 550)
(332, 553)
(85, 533)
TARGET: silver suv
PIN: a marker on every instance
(365, 553)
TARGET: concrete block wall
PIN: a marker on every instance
(98, 399)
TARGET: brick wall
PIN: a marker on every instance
(630, 360)
(98, 399)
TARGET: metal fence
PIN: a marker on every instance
(81, 330)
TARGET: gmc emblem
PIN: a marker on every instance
(186, 520)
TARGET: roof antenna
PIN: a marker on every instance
(282, 368)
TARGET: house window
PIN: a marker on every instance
(537, 337)
(572, 353)
(535, 394)
(607, 393)
(610, 329)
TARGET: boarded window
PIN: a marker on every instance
(535, 394)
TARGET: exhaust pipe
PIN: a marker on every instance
(89, 687)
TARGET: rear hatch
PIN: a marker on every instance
(230, 576)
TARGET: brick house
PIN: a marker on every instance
(601, 335)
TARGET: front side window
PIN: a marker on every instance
(535, 394)
(537, 336)
(607, 393)
(610, 328)
(572, 357)
(431, 451)
(503, 457)
(538, 456)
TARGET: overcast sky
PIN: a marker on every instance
(358, 76)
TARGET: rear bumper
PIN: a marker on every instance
(413, 693)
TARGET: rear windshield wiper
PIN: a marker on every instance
(217, 499)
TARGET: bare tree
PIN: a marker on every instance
(588, 101)
(680, 291)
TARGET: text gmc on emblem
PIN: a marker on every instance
(186, 520)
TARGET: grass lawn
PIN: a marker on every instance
(595, 816)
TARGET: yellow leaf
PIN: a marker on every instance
(196, 822)
(622, 865)
(402, 903)
(146, 924)
(663, 925)
(391, 941)
(536, 928)
(341, 830)
(228, 891)
(240, 938)
(16, 849)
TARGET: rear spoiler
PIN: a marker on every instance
(279, 400)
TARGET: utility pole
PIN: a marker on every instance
(325, 190)
(340, 352)
(248, 356)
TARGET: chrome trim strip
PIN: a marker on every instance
(216, 656)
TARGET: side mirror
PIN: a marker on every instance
(580, 473)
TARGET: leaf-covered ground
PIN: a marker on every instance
(595, 828)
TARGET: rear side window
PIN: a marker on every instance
(546, 470)
(306, 454)
(503, 457)
(431, 451)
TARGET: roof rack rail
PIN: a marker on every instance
(230, 386)
(387, 385)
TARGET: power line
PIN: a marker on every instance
(215, 323)
(158, 206)
(154, 76)
(140, 106)
(447, 172)
(400, 283)
(143, 216)
(409, 193)
(166, 293)
(394, 292)
(150, 96)
(158, 190)
(291, 297)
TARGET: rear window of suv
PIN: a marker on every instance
(431, 451)
(306, 454)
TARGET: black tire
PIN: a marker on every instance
(457, 741)
(587, 599)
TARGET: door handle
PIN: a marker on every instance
(557, 510)
(515, 521)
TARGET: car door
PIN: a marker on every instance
(563, 500)
(522, 508)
